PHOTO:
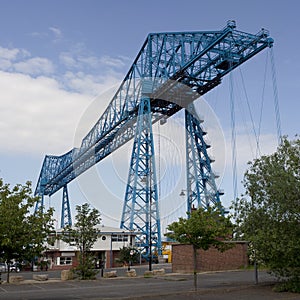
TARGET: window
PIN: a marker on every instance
(119, 238)
(65, 260)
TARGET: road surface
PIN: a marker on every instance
(211, 286)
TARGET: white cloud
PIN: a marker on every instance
(5, 64)
(89, 74)
(68, 60)
(79, 59)
(90, 61)
(246, 151)
(17, 60)
(57, 32)
(35, 66)
(246, 148)
(88, 84)
(36, 115)
(9, 54)
(40, 107)
(39, 113)
(14, 54)
(112, 61)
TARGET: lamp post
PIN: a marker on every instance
(130, 259)
(182, 193)
(190, 206)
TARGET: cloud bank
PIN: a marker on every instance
(41, 102)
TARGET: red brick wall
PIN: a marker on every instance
(210, 260)
(115, 256)
(52, 255)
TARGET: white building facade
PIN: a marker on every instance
(63, 255)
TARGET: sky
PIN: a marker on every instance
(60, 62)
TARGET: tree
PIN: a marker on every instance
(23, 234)
(84, 234)
(268, 215)
(204, 228)
(128, 255)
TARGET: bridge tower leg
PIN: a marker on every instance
(141, 210)
(201, 186)
(66, 218)
(39, 204)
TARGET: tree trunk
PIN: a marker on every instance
(8, 271)
(195, 267)
(255, 272)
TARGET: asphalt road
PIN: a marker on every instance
(211, 286)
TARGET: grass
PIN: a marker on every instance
(288, 286)
(251, 267)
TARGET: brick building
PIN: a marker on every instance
(210, 260)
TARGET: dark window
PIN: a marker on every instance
(119, 238)
(65, 260)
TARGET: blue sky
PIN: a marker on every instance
(56, 56)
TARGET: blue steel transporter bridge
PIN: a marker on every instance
(170, 71)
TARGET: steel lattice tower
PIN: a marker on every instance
(201, 185)
(141, 209)
(66, 218)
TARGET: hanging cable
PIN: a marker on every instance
(233, 138)
(261, 108)
(256, 135)
(243, 114)
(275, 92)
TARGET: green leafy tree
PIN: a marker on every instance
(268, 215)
(128, 255)
(23, 234)
(204, 228)
(84, 233)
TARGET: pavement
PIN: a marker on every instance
(211, 286)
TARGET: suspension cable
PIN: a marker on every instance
(233, 137)
(250, 111)
(275, 92)
(261, 107)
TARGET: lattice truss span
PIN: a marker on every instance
(171, 70)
